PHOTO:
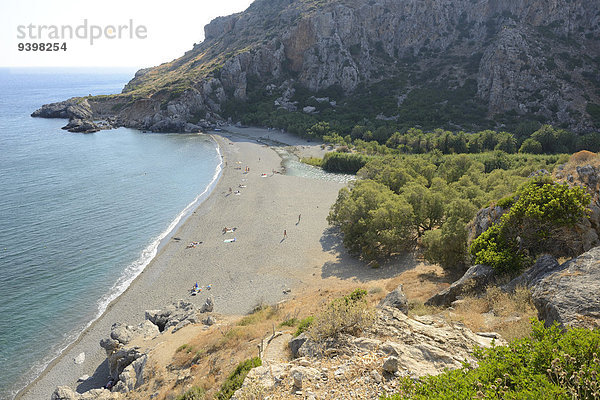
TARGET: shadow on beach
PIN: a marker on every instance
(347, 267)
(97, 380)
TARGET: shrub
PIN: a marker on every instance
(532, 225)
(289, 322)
(547, 365)
(348, 163)
(349, 314)
(195, 393)
(314, 161)
(304, 325)
(236, 378)
(375, 221)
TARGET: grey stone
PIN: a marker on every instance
(397, 299)
(543, 265)
(64, 393)
(568, 294)
(208, 305)
(296, 343)
(474, 280)
(390, 364)
(297, 376)
(376, 376)
(176, 313)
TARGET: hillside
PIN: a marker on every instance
(459, 65)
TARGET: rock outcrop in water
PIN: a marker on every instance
(538, 59)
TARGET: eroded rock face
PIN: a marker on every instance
(363, 367)
(568, 294)
(475, 280)
(66, 393)
(76, 108)
(532, 276)
(516, 56)
(178, 314)
(485, 218)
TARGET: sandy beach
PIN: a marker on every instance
(255, 268)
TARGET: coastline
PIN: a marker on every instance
(254, 269)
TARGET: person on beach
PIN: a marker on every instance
(299, 216)
(284, 233)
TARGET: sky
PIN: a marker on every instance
(151, 31)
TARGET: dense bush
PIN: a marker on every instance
(433, 196)
(531, 226)
(236, 378)
(303, 325)
(375, 221)
(348, 163)
(548, 365)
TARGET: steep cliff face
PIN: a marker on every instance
(523, 57)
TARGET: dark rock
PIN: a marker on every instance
(208, 305)
(568, 294)
(390, 364)
(397, 299)
(588, 175)
(74, 108)
(485, 218)
(296, 343)
(534, 274)
(82, 126)
(539, 172)
(474, 280)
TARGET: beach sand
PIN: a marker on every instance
(254, 269)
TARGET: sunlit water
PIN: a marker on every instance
(80, 215)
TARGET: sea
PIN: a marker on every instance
(81, 215)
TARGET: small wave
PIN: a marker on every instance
(135, 268)
(131, 272)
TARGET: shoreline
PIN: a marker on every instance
(126, 280)
(129, 308)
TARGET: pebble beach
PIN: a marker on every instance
(253, 264)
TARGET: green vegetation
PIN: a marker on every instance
(348, 163)
(195, 393)
(236, 378)
(315, 162)
(303, 325)
(547, 365)
(531, 226)
(401, 201)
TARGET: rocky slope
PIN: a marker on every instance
(531, 58)
(362, 366)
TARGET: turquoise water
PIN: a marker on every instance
(80, 215)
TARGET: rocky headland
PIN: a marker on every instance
(533, 59)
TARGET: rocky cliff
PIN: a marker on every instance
(528, 58)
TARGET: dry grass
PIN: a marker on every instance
(204, 358)
(418, 308)
(343, 315)
(207, 357)
(506, 313)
